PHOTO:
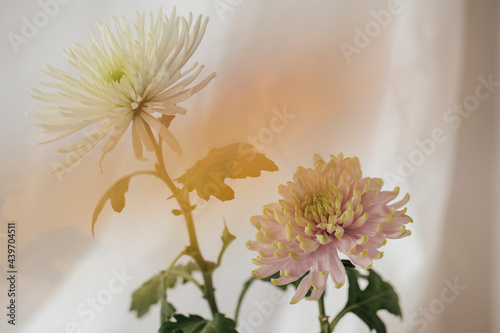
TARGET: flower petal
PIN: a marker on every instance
(163, 131)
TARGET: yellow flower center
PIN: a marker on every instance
(116, 75)
(318, 205)
(113, 71)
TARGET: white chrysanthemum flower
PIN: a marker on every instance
(126, 78)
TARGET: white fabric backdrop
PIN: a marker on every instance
(382, 104)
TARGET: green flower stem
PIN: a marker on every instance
(354, 306)
(172, 264)
(337, 318)
(188, 277)
(163, 288)
(242, 295)
(323, 318)
(194, 249)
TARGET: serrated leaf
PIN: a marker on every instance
(167, 310)
(183, 271)
(197, 324)
(148, 294)
(235, 161)
(378, 295)
(116, 194)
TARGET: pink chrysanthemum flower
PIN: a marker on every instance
(324, 210)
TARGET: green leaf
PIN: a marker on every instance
(378, 295)
(149, 293)
(347, 263)
(146, 296)
(116, 194)
(227, 239)
(235, 161)
(183, 271)
(167, 310)
(197, 324)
